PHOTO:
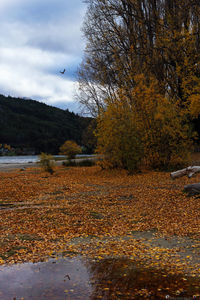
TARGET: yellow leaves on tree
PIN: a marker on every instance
(188, 72)
(152, 112)
(195, 105)
(119, 139)
(148, 127)
(70, 149)
(166, 133)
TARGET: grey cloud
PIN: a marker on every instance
(32, 11)
(37, 39)
(60, 37)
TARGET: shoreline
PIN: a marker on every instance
(9, 167)
(13, 167)
(18, 166)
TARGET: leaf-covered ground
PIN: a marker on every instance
(97, 213)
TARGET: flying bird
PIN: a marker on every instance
(62, 72)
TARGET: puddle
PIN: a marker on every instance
(55, 279)
(78, 278)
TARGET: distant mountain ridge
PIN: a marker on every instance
(29, 124)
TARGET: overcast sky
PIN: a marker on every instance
(38, 38)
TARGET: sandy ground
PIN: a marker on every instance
(21, 166)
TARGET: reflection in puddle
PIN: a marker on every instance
(77, 278)
(125, 279)
(55, 279)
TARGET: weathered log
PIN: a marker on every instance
(192, 189)
(189, 171)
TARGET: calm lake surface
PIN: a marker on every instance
(80, 278)
(18, 159)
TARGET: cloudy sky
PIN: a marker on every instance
(38, 38)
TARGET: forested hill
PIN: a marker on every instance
(29, 124)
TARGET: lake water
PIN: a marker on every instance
(27, 158)
(18, 159)
(78, 278)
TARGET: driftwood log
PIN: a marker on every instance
(189, 171)
(191, 189)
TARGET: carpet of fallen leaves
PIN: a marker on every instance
(96, 213)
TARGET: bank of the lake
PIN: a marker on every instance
(11, 163)
(109, 218)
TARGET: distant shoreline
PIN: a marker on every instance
(9, 167)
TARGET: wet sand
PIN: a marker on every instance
(13, 167)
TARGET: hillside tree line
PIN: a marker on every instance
(29, 126)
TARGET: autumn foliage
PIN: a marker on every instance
(70, 149)
(149, 129)
(141, 77)
(119, 138)
(47, 162)
(43, 215)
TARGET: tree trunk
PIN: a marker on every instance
(189, 171)
(190, 189)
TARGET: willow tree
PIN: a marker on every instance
(159, 39)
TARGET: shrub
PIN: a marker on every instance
(119, 140)
(82, 163)
(147, 128)
(86, 163)
(70, 149)
(47, 162)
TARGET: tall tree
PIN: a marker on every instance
(159, 39)
(127, 37)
